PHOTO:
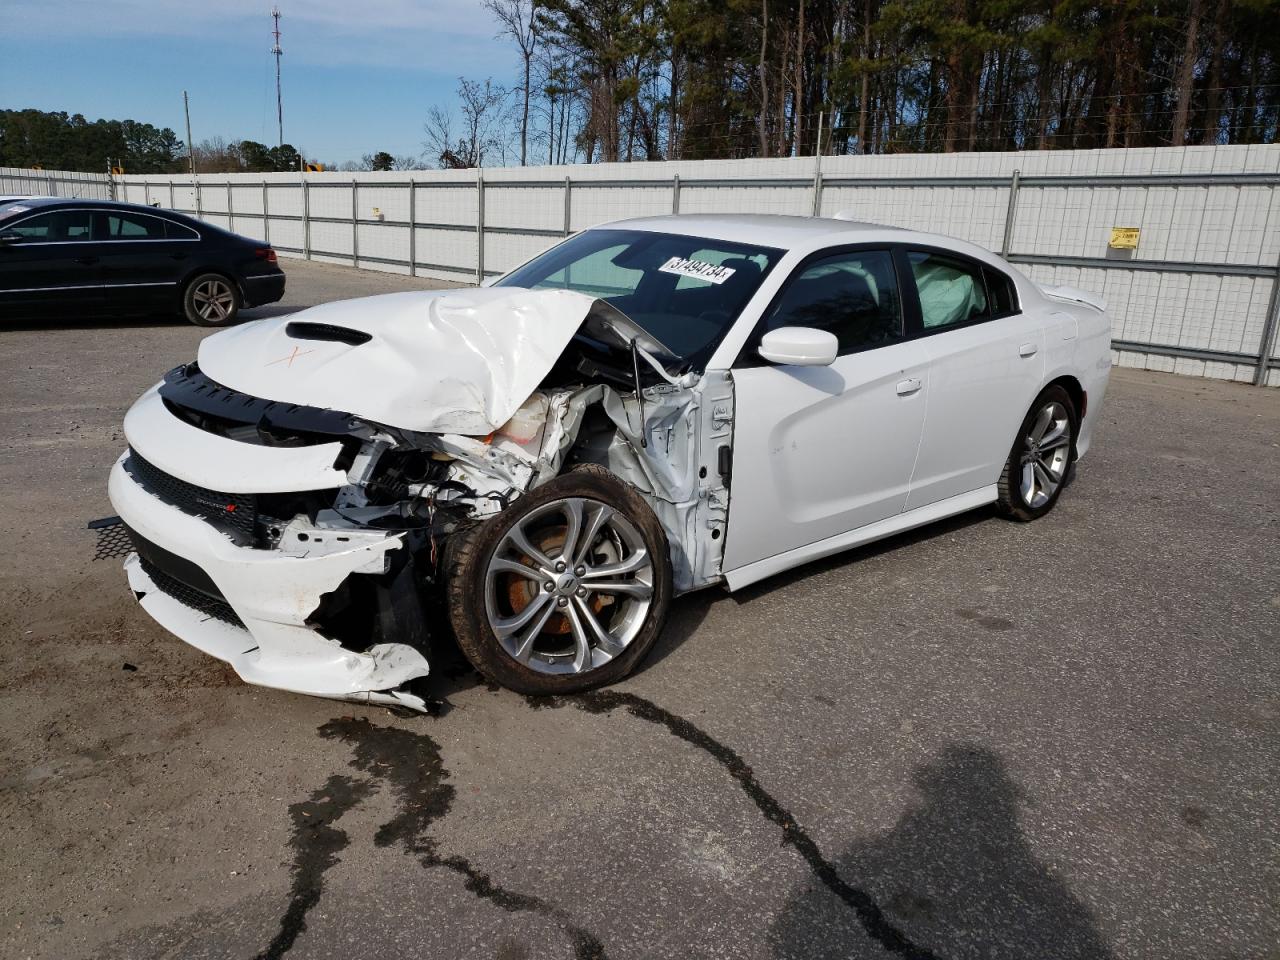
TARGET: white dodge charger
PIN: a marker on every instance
(647, 408)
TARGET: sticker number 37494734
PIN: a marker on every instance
(697, 269)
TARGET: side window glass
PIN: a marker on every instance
(57, 226)
(952, 291)
(176, 231)
(1002, 293)
(123, 226)
(853, 295)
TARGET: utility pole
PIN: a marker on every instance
(276, 51)
(191, 153)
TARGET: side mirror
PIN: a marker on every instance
(799, 347)
(8, 237)
(489, 281)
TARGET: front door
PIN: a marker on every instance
(819, 451)
(48, 266)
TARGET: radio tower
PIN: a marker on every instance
(275, 49)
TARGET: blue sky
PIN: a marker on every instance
(359, 75)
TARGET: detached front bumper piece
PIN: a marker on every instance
(256, 609)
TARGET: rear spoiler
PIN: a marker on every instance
(1073, 295)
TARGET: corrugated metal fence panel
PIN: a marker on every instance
(23, 182)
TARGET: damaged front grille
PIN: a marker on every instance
(113, 539)
(233, 513)
(189, 596)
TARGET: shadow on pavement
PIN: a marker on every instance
(955, 878)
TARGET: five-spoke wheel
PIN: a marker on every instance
(211, 300)
(1041, 457)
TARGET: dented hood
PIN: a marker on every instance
(451, 361)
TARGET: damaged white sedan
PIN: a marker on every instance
(645, 409)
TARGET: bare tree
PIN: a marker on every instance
(439, 131)
(216, 155)
(407, 161)
(518, 19)
(484, 116)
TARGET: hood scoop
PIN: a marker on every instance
(306, 330)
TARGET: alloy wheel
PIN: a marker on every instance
(569, 586)
(1046, 454)
(214, 300)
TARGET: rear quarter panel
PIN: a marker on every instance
(1078, 344)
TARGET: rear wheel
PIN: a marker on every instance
(211, 300)
(1042, 452)
(565, 590)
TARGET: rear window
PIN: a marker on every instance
(132, 226)
(176, 231)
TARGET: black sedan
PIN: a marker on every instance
(64, 257)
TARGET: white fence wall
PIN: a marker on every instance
(1198, 296)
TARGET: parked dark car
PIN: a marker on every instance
(63, 257)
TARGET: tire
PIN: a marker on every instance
(1040, 462)
(211, 300)
(534, 632)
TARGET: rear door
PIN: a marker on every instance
(986, 363)
(143, 260)
(51, 268)
(820, 451)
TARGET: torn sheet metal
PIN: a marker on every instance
(437, 362)
(671, 458)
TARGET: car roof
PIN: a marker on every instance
(51, 203)
(766, 229)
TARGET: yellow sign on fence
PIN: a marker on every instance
(1124, 238)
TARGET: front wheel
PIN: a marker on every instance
(211, 300)
(1036, 471)
(565, 590)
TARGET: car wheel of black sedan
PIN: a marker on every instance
(564, 591)
(211, 300)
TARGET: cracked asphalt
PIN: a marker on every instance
(987, 740)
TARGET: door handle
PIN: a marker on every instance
(907, 387)
(1027, 350)
(87, 261)
(177, 256)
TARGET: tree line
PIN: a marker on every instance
(606, 80)
(57, 140)
(68, 141)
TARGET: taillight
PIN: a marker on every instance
(265, 253)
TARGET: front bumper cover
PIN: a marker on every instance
(273, 595)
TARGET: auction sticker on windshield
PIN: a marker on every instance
(697, 269)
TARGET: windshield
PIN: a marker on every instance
(686, 291)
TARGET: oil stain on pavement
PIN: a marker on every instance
(409, 765)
